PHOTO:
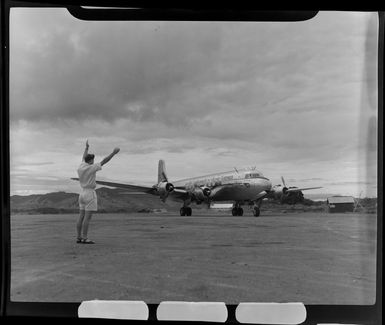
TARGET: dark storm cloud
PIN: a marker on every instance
(130, 70)
(178, 75)
(171, 73)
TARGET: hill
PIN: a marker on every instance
(109, 201)
(118, 201)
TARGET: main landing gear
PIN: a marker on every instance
(237, 210)
(185, 211)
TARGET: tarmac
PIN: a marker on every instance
(314, 258)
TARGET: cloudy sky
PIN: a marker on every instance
(293, 99)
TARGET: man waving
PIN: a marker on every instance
(88, 201)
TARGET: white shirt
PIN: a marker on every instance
(87, 174)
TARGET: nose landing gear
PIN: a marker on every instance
(256, 211)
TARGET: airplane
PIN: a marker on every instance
(241, 186)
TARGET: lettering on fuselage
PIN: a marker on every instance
(224, 179)
(210, 182)
(252, 175)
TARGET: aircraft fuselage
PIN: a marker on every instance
(229, 186)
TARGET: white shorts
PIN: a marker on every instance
(88, 200)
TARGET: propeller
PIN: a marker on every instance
(284, 189)
(206, 191)
(169, 187)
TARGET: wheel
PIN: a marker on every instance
(182, 211)
(256, 212)
(240, 211)
(234, 211)
(188, 211)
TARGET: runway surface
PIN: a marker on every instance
(315, 258)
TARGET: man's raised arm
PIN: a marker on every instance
(108, 158)
(85, 151)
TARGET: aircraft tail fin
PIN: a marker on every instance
(162, 176)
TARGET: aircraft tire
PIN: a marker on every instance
(240, 211)
(182, 211)
(234, 211)
(188, 211)
(256, 212)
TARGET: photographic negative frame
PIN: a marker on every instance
(363, 314)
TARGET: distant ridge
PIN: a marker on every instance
(319, 196)
(118, 201)
(113, 201)
(109, 201)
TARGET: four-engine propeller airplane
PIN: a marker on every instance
(241, 186)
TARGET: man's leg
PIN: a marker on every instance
(79, 225)
(86, 223)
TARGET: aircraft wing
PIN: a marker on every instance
(302, 189)
(129, 187)
(177, 193)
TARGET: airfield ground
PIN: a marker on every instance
(315, 258)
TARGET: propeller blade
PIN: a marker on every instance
(283, 181)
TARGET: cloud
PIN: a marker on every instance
(44, 163)
(287, 97)
(129, 70)
(171, 72)
(351, 183)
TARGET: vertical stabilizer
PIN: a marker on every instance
(162, 176)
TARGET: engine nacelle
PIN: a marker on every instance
(206, 191)
(279, 190)
(201, 194)
(164, 189)
(293, 197)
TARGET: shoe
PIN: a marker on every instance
(87, 241)
(78, 241)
